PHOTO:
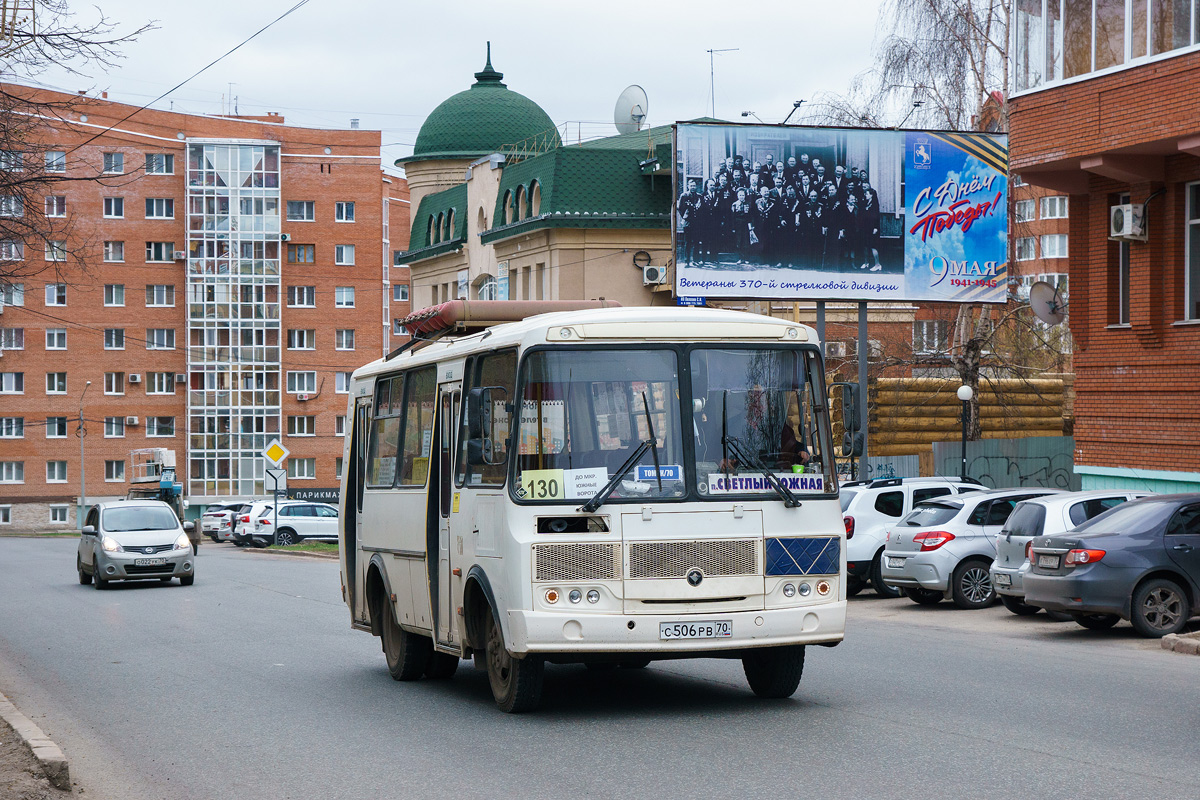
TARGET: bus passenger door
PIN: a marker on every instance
(448, 585)
(352, 503)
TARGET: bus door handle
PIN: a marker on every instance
(456, 572)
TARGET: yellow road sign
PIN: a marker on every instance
(276, 452)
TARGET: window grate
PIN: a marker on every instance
(594, 561)
(723, 557)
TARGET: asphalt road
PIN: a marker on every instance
(250, 684)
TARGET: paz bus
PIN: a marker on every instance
(556, 482)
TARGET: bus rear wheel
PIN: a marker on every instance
(774, 671)
(407, 653)
(516, 682)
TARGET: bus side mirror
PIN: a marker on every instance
(852, 445)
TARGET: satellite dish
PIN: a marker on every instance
(631, 109)
(1046, 303)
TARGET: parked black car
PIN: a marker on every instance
(1139, 561)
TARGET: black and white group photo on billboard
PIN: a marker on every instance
(754, 198)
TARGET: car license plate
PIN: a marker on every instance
(710, 629)
(1048, 562)
(149, 562)
(1003, 580)
(894, 562)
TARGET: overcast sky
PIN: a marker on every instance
(389, 64)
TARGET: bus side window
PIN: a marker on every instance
(385, 433)
(492, 370)
(419, 398)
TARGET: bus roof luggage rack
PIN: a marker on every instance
(471, 316)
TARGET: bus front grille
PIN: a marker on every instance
(592, 561)
(713, 557)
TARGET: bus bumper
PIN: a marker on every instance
(547, 632)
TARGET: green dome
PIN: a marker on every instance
(482, 120)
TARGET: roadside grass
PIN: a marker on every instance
(309, 547)
(49, 535)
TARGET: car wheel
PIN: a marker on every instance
(187, 580)
(97, 581)
(1058, 616)
(924, 597)
(1015, 605)
(441, 666)
(407, 654)
(1159, 607)
(214, 538)
(286, 537)
(971, 585)
(882, 589)
(774, 671)
(1096, 622)
(516, 682)
(84, 577)
(854, 586)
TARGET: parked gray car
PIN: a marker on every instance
(1043, 516)
(1139, 561)
(129, 540)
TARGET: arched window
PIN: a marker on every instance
(448, 232)
(440, 223)
(508, 209)
(522, 212)
(481, 222)
(535, 199)
(485, 287)
(432, 234)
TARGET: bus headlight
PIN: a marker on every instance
(789, 590)
(593, 596)
(805, 589)
(575, 596)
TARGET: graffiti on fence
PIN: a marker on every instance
(999, 463)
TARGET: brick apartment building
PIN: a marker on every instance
(234, 271)
(1103, 113)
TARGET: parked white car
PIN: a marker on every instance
(1043, 516)
(869, 508)
(297, 521)
(217, 521)
(945, 547)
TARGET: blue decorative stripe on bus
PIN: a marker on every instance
(816, 555)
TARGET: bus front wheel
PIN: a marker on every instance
(407, 653)
(774, 671)
(516, 682)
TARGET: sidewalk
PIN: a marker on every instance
(22, 776)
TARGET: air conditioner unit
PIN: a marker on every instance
(653, 276)
(180, 377)
(302, 397)
(285, 237)
(835, 349)
(180, 255)
(131, 420)
(135, 378)
(1127, 222)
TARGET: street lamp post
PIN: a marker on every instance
(965, 393)
(81, 432)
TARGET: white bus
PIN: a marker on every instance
(597, 485)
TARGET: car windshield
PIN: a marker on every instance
(1026, 520)
(927, 514)
(1129, 518)
(846, 497)
(138, 518)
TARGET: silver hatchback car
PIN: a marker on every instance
(129, 540)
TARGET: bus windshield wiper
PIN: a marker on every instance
(650, 444)
(731, 443)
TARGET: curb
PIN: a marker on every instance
(54, 763)
(1189, 643)
(292, 553)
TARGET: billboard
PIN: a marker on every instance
(768, 211)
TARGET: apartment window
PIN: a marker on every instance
(305, 468)
(341, 382)
(13, 206)
(302, 426)
(58, 514)
(11, 250)
(56, 294)
(160, 426)
(1191, 281)
(160, 251)
(12, 294)
(301, 210)
(301, 254)
(339, 425)
(344, 339)
(12, 471)
(160, 338)
(302, 296)
(56, 250)
(929, 336)
(160, 208)
(301, 382)
(56, 427)
(114, 163)
(114, 338)
(14, 338)
(1054, 208)
(337, 467)
(56, 338)
(14, 427)
(114, 427)
(56, 472)
(114, 383)
(343, 212)
(1056, 279)
(1026, 248)
(160, 164)
(343, 254)
(398, 328)
(114, 294)
(400, 293)
(1054, 245)
(5, 515)
(160, 294)
(56, 383)
(301, 339)
(160, 383)
(56, 206)
(12, 161)
(56, 161)
(12, 383)
(1024, 211)
(114, 251)
(114, 207)
(114, 471)
(343, 297)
